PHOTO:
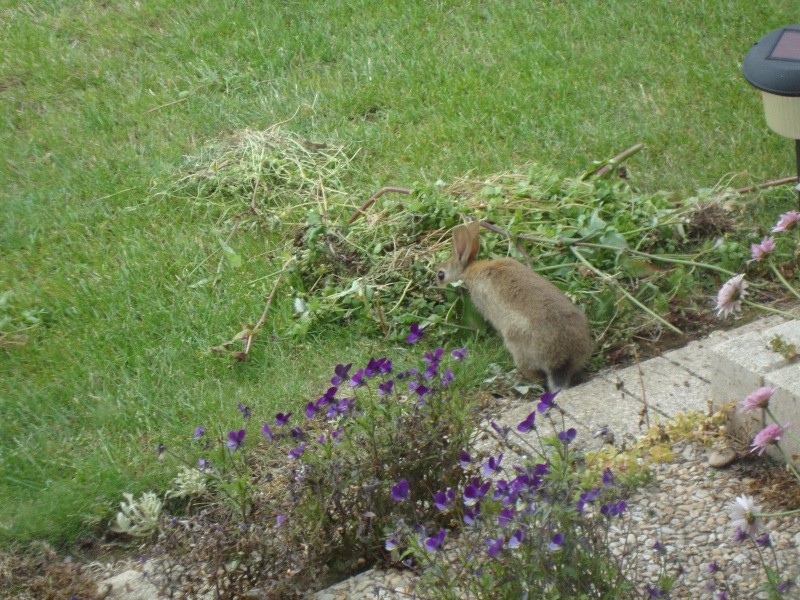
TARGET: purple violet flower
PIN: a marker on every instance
(556, 542)
(516, 539)
(447, 377)
(739, 535)
(340, 373)
(764, 541)
(357, 380)
(385, 388)
(464, 459)
(567, 436)
(712, 567)
(472, 513)
(459, 353)
(296, 433)
(267, 431)
(311, 410)
(297, 451)
(491, 465)
(547, 401)
(608, 477)
(494, 546)
(400, 490)
(235, 439)
(391, 543)
(504, 516)
(415, 334)
(245, 410)
(443, 500)
(433, 358)
(432, 544)
(529, 424)
(199, 432)
(475, 491)
(282, 419)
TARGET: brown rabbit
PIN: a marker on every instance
(544, 331)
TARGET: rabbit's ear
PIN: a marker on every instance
(473, 230)
(461, 245)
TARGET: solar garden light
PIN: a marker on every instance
(773, 66)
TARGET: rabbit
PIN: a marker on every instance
(542, 329)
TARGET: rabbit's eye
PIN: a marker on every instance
(440, 275)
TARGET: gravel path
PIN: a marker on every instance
(685, 508)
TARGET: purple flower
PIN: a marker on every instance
(787, 221)
(529, 424)
(784, 586)
(282, 419)
(203, 464)
(235, 439)
(199, 432)
(245, 410)
(471, 513)
(491, 465)
(443, 500)
(567, 436)
(504, 516)
(712, 567)
(757, 400)
(296, 433)
(357, 380)
(587, 498)
(391, 543)
(385, 387)
(459, 353)
(764, 541)
(475, 491)
(658, 547)
(340, 373)
(431, 371)
(311, 410)
(447, 378)
(385, 366)
(613, 509)
(432, 544)
(516, 539)
(267, 431)
(372, 368)
(399, 491)
(556, 542)
(502, 431)
(297, 451)
(721, 595)
(759, 251)
(279, 520)
(415, 334)
(739, 535)
(421, 390)
(494, 546)
(771, 434)
(655, 592)
(547, 401)
(464, 459)
(608, 477)
(433, 358)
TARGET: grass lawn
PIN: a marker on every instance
(104, 339)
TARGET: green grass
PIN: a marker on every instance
(105, 352)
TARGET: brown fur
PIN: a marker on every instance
(544, 331)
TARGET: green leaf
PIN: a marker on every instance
(234, 260)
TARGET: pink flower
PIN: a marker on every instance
(769, 435)
(758, 399)
(759, 251)
(787, 221)
(729, 298)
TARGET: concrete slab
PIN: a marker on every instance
(668, 388)
(785, 406)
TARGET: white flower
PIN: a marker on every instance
(743, 513)
(138, 517)
(729, 298)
